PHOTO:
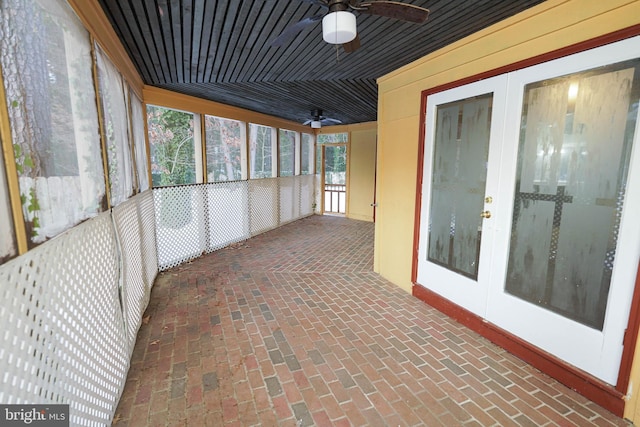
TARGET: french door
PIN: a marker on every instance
(531, 200)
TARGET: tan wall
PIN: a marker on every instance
(549, 26)
(361, 168)
(362, 172)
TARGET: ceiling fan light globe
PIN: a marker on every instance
(339, 27)
(316, 124)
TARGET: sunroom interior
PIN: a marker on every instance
(93, 209)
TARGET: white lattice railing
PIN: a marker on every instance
(71, 307)
(196, 219)
(66, 338)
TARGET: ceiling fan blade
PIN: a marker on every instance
(328, 119)
(352, 46)
(307, 122)
(322, 3)
(290, 32)
(394, 9)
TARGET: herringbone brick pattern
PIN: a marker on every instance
(292, 328)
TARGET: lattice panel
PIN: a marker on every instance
(62, 337)
(135, 292)
(317, 194)
(180, 224)
(227, 213)
(149, 244)
(263, 205)
(306, 194)
(296, 197)
(288, 198)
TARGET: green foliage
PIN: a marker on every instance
(34, 205)
(335, 164)
(172, 149)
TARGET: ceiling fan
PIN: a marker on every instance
(339, 23)
(317, 119)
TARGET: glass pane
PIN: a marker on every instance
(261, 142)
(115, 118)
(461, 149)
(287, 152)
(172, 146)
(225, 139)
(137, 125)
(306, 154)
(335, 178)
(333, 138)
(46, 60)
(335, 165)
(573, 157)
(8, 248)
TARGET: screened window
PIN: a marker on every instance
(7, 232)
(115, 119)
(262, 141)
(333, 138)
(225, 141)
(46, 59)
(306, 154)
(173, 151)
(287, 152)
(140, 149)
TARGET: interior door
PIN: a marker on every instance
(557, 258)
(460, 182)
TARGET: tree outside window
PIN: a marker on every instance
(287, 152)
(261, 141)
(171, 140)
(306, 154)
(45, 53)
(225, 140)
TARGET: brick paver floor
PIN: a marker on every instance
(292, 328)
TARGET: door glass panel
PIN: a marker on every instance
(335, 178)
(575, 145)
(461, 148)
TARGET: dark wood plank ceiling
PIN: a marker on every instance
(221, 50)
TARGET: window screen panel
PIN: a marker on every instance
(45, 54)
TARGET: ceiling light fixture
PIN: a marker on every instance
(316, 124)
(339, 27)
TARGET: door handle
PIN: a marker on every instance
(485, 214)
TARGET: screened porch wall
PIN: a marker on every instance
(195, 219)
(71, 310)
(73, 302)
(73, 305)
